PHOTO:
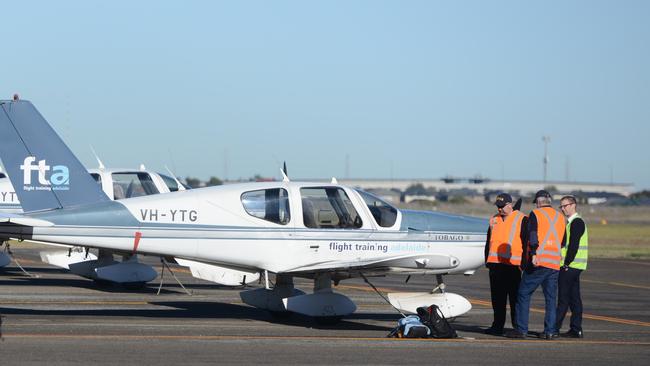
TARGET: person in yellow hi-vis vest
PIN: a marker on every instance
(503, 254)
(574, 261)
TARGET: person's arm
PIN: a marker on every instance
(533, 241)
(523, 234)
(532, 234)
(577, 230)
(487, 243)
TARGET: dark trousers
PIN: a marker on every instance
(569, 297)
(504, 284)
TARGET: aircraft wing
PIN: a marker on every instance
(408, 262)
(23, 220)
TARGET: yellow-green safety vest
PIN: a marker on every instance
(580, 261)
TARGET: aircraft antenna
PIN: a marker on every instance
(285, 176)
(170, 172)
(101, 165)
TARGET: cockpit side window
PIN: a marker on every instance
(127, 185)
(385, 215)
(268, 204)
(2, 175)
(97, 178)
(328, 208)
(170, 182)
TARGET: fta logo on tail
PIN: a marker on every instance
(49, 178)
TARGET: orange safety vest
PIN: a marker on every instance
(550, 231)
(505, 239)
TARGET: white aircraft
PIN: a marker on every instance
(116, 183)
(324, 232)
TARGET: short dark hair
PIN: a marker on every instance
(571, 199)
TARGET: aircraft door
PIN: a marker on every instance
(328, 213)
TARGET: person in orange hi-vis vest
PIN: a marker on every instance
(546, 237)
(503, 255)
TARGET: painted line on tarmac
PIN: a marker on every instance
(536, 310)
(617, 284)
(50, 336)
(28, 302)
(632, 262)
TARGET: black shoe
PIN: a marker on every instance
(493, 331)
(515, 334)
(572, 334)
(549, 336)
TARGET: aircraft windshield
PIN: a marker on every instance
(384, 214)
(127, 185)
(170, 182)
(328, 207)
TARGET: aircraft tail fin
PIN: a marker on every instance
(44, 172)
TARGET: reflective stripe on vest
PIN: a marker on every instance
(549, 251)
(501, 249)
(580, 260)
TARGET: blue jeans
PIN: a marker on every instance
(529, 282)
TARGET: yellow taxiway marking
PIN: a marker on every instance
(537, 310)
(617, 284)
(311, 338)
(84, 302)
(633, 262)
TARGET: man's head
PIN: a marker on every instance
(542, 198)
(504, 204)
(568, 205)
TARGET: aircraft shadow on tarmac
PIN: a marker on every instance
(206, 310)
(17, 277)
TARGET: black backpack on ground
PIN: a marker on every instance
(432, 317)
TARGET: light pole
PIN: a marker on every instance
(546, 140)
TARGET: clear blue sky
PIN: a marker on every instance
(405, 88)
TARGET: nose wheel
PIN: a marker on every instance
(441, 285)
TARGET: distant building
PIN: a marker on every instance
(408, 198)
(388, 195)
(486, 186)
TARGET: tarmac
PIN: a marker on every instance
(61, 319)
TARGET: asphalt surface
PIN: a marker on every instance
(61, 319)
